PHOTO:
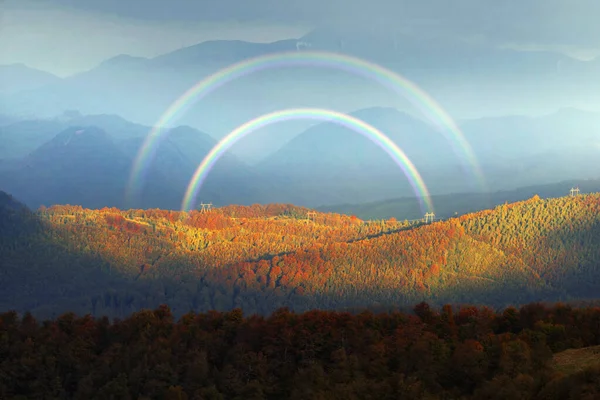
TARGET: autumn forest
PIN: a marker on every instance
(140, 304)
(263, 257)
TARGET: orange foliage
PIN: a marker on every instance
(275, 248)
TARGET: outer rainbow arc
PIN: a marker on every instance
(354, 65)
(372, 133)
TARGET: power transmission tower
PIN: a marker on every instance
(574, 191)
(429, 217)
(205, 207)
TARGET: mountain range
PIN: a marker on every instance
(67, 161)
(325, 165)
(469, 79)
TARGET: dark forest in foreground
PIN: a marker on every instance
(465, 353)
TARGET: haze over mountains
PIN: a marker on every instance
(16, 78)
(325, 165)
(531, 117)
(468, 79)
(87, 165)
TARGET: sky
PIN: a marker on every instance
(68, 36)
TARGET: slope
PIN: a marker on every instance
(576, 360)
(79, 164)
(176, 159)
(338, 163)
(449, 205)
(22, 137)
(260, 258)
(43, 167)
(39, 274)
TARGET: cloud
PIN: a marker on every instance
(551, 22)
(66, 36)
(66, 40)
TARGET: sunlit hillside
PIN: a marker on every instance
(264, 257)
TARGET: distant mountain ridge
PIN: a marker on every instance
(16, 78)
(449, 205)
(24, 136)
(328, 164)
(141, 89)
(79, 164)
(87, 165)
(512, 151)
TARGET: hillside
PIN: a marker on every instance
(78, 164)
(263, 257)
(328, 147)
(339, 163)
(448, 205)
(576, 360)
(44, 165)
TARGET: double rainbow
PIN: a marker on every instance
(357, 66)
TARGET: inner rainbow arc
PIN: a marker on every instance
(355, 124)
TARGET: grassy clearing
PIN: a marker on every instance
(575, 360)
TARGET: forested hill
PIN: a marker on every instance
(260, 258)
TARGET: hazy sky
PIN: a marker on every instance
(67, 36)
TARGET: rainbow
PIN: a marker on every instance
(402, 86)
(314, 114)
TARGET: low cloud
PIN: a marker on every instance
(556, 22)
(64, 40)
(48, 33)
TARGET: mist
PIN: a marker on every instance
(522, 83)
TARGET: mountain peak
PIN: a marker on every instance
(123, 60)
(185, 132)
(87, 132)
(75, 141)
(218, 51)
